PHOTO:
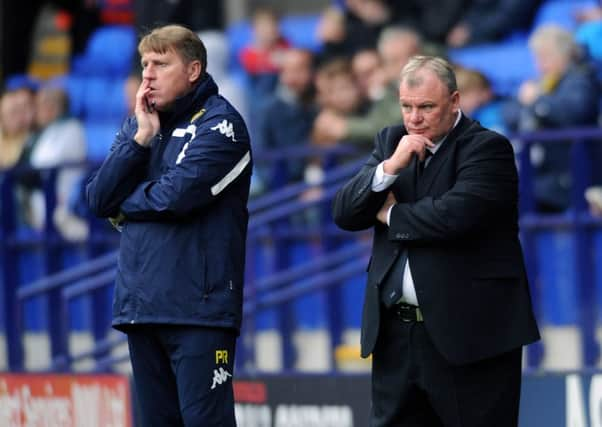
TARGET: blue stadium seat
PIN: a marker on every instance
(105, 99)
(506, 64)
(109, 52)
(100, 136)
(97, 97)
(301, 31)
(557, 277)
(76, 90)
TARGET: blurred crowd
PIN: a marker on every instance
(347, 91)
(343, 93)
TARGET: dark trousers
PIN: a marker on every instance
(413, 385)
(183, 375)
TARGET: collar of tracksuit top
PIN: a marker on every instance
(205, 88)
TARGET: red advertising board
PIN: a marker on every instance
(64, 401)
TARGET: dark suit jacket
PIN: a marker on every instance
(459, 224)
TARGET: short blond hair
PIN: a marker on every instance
(177, 37)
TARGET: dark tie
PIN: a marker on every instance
(422, 164)
(392, 289)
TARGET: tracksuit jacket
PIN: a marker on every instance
(184, 204)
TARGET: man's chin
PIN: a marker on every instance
(164, 107)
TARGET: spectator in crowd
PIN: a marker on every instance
(379, 85)
(333, 36)
(337, 89)
(565, 95)
(337, 94)
(491, 20)
(16, 124)
(289, 114)
(478, 99)
(346, 31)
(60, 140)
(364, 21)
(431, 19)
(367, 69)
(262, 59)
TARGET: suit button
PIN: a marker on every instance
(398, 236)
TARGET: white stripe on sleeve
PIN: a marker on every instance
(232, 175)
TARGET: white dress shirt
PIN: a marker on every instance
(382, 181)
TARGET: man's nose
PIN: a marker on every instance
(415, 116)
(148, 72)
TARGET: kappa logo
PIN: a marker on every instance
(220, 376)
(225, 128)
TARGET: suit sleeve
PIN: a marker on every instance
(206, 166)
(120, 173)
(485, 189)
(355, 205)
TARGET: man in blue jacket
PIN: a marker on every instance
(176, 182)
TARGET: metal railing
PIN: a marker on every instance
(284, 282)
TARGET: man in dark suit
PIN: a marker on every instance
(447, 306)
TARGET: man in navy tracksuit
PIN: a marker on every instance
(176, 182)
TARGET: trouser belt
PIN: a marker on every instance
(408, 313)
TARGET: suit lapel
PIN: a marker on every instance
(441, 157)
(430, 172)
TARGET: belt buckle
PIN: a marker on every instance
(406, 313)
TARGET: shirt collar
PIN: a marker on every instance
(439, 143)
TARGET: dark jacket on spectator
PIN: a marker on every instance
(572, 102)
(491, 20)
(286, 122)
(432, 19)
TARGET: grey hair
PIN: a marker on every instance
(442, 69)
(556, 36)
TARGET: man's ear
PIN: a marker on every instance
(194, 71)
(455, 99)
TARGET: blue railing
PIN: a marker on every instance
(98, 273)
(280, 220)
